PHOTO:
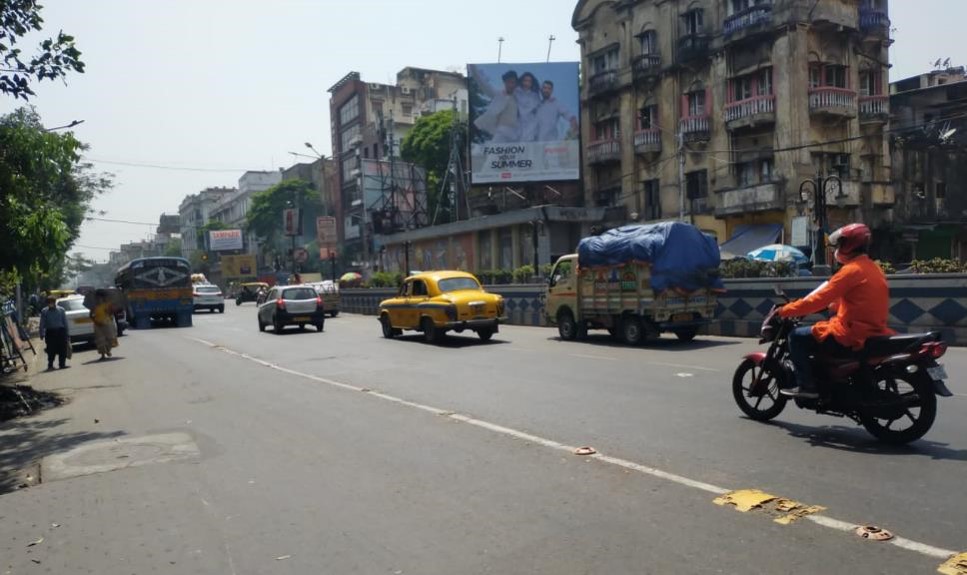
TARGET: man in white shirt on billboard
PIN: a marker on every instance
(550, 112)
(500, 118)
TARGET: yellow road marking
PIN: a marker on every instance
(784, 511)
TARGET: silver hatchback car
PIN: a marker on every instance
(292, 305)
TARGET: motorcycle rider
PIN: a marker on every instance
(859, 296)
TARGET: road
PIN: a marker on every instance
(341, 452)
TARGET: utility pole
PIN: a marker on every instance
(681, 174)
(550, 42)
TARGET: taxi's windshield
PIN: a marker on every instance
(458, 284)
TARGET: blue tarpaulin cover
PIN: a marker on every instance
(681, 256)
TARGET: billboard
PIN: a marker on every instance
(291, 222)
(238, 266)
(524, 122)
(326, 231)
(224, 240)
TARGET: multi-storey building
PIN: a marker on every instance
(720, 109)
(232, 209)
(195, 211)
(369, 120)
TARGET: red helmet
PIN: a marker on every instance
(851, 239)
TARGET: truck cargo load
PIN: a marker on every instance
(681, 256)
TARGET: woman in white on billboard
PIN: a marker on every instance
(501, 118)
(528, 97)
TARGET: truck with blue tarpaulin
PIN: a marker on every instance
(157, 290)
(637, 282)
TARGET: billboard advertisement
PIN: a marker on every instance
(224, 240)
(291, 222)
(234, 267)
(524, 122)
(326, 231)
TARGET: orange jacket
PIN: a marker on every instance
(860, 297)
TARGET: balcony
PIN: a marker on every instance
(602, 83)
(693, 47)
(874, 109)
(752, 19)
(604, 151)
(648, 141)
(750, 112)
(607, 196)
(756, 198)
(874, 22)
(695, 128)
(827, 101)
(647, 66)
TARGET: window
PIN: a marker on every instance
(870, 83)
(696, 103)
(649, 42)
(607, 130)
(835, 76)
(758, 84)
(741, 88)
(815, 76)
(349, 111)
(832, 164)
(767, 167)
(763, 82)
(348, 138)
(299, 294)
(71, 304)
(561, 273)
(693, 23)
(940, 190)
(745, 174)
(375, 151)
(696, 184)
(458, 284)
(407, 109)
(652, 200)
(419, 288)
(506, 239)
(606, 62)
(648, 118)
(348, 165)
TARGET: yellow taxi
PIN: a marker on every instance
(437, 302)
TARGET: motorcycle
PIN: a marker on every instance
(890, 387)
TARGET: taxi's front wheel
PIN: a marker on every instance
(388, 331)
(485, 333)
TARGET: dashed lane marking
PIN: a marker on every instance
(816, 518)
(601, 357)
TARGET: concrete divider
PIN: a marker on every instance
(917, 303)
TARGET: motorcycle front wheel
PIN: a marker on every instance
(764, 404)
(902, 407)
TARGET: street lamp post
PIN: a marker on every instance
(820, 187)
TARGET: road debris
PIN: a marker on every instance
(794, 511)
(956, 565)
(37, 542)
(783, 511)
(283, 557)
(744, 500)
(873, 533)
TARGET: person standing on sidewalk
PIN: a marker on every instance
(54, 330)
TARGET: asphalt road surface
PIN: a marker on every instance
(219, 449)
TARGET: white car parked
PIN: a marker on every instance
(81, 326)
(209, 296)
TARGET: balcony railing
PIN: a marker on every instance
(604, 151)
(874, 21)
(832, 100)
(603, 82)
(648, 141)
(695, 128)
(692, 47)
(747, 18)
(875, 108)
(698, 206)
(755, 198)
(750, 108)
(647, 65)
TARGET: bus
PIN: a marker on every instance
(156, 289)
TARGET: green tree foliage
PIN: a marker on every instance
(45, 194)
(265, 214)
(53, 58)
(428, 145)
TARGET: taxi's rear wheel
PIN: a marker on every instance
(430, 333)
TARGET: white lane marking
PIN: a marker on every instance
(684, 366)
(684, 375)
(601, 357)
(822, 520)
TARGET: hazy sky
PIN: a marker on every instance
(222, 86)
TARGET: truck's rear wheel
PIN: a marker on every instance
(686, 334)
(632, 331)
(567, 328)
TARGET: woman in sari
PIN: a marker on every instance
(105, 336)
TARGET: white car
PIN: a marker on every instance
(208, 296)
(80, 324)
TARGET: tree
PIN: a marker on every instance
(428, 145)
(264, 217)
(45, 194)
(210, 225)
(173, 250)
(54, 57)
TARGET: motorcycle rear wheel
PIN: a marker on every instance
(764, 407)
(917, 390)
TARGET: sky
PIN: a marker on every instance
(210, 88)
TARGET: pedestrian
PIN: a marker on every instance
(55, 331)
(105, 333)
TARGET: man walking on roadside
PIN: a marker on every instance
(54, 330)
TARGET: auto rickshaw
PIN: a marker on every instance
(251, 292)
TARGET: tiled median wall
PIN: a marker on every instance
(918, 303)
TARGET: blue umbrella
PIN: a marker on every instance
(778, 253)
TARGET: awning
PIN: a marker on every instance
(749, 237)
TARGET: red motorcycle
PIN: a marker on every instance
(890, 387)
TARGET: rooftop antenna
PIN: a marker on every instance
(500, 48)
(550, 42)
